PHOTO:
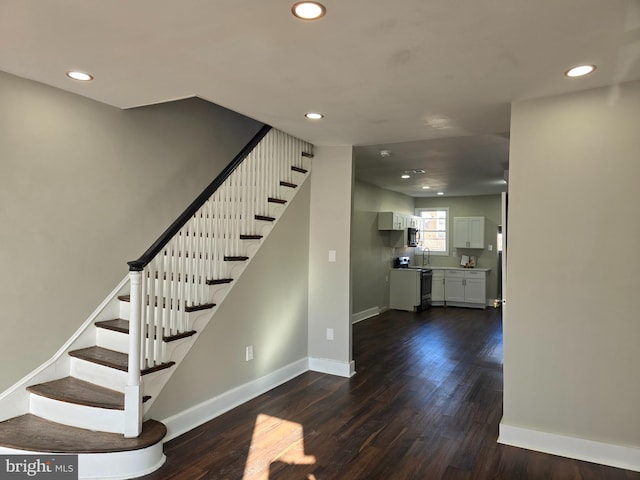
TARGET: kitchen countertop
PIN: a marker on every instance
(432, 267)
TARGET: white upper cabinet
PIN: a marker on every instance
(398, 221)
(468, 232)
(391, 221)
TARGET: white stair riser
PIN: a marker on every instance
(112, 340)
(124, 311)
(111, 466)
(98, 374)
(81, 416)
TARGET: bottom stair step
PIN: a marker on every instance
(34, 434)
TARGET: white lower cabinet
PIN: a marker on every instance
(453, 286)
(437, 288)
(475, 287)
(462, 288)
(404, 289)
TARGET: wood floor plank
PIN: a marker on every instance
(425, 404)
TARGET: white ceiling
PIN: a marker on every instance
(439, 74)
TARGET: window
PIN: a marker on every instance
(435, 223)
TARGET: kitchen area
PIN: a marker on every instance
(420, 285)
(393, 268)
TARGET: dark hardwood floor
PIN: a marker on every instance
(425, 404)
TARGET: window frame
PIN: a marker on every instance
(418, 212)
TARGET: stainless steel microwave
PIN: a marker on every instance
(412, 237)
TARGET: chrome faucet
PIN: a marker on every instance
(425, 249)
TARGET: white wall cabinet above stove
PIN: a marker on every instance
(398, 221)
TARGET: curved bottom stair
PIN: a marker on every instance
(100, 455)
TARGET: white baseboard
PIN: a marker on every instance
(363, 315)
(332, 367)
(216, 406)
(588, 450)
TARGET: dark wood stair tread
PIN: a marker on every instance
(79, 392)
(219, 281)
(298, 169)
(265, 218)
(250, 237)
(279, 201)
(122, 326)
(236, 259)
(113, 359)
(35, 434)
(307, 154)
(189, 308)
(116, 325)
(287, 184)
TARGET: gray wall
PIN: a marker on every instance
(371, 251)
(571, 328)
(487, 206)
(329, 282)
(84, 188)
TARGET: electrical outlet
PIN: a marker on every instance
(329, 333)
(490, 247)
(249, 353)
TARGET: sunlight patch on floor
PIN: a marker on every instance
(275, 440)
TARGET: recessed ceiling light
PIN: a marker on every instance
(580, 70)
(385, 153)
(405, 176)
(440, 193)
(81, 76)
(313, 116)
(308, 10)
(426, 187)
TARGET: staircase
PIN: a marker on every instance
(91, 398)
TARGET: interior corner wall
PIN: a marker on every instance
(572, 330)
(84, 188)
(371, 249)
(329, 277)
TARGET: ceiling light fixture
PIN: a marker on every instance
(580, 70)
(314, 116)
(385, 153)
(440, 193)
(80, 76)
(426, 187)
(405, 176)
(308, 10)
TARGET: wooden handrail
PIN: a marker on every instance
(174, 228)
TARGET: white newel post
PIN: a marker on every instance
(132, 396)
